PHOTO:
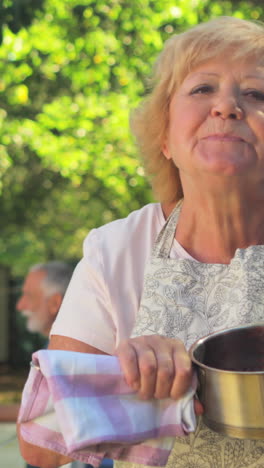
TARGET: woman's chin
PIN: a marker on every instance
(226, 158)
(227, 170)
(228, 166)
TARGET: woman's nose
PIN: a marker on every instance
(227, 107)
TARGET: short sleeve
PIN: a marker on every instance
(86, 310)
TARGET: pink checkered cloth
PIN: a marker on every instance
(79, 405)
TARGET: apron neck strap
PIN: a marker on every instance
(164, 241)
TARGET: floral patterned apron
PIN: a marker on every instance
(187, 299)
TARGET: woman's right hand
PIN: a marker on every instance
(157, 367)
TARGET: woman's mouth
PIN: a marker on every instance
(223, 137)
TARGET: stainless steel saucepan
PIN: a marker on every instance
(230, 367)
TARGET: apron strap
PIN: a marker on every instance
(164, 241)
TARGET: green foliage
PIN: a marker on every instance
(17, 14)
(70, 73)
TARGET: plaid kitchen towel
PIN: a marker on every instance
(79, 405)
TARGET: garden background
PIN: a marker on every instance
(70, 73)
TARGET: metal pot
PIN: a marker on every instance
(230, 367)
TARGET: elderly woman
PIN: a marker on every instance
(149, 285)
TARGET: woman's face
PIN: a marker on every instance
(216, 120)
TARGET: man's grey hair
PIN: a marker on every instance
(57, 278)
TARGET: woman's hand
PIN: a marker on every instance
(156, 366)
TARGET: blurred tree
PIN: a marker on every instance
(17, 14)
(70, 72)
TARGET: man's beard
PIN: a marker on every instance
(33, 324)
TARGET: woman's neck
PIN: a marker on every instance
(211, 229)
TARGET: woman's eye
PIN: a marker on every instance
(255, 94)
(202, 89)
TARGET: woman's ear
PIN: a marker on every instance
(165, 148)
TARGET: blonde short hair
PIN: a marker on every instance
(182, 53)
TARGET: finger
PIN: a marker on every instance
(165, 374)
(183, 372)
(198, 407)
(129, 364)
(148, 372)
